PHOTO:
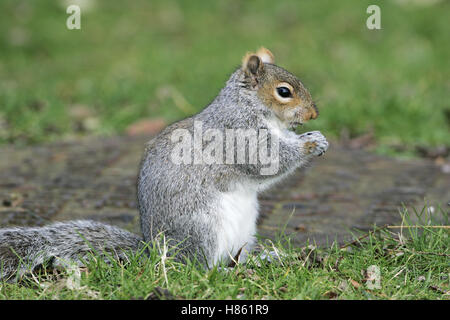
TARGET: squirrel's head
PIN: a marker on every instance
(278, 89)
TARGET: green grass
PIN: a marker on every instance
(414, 263)
(393, 82)
(135, 60)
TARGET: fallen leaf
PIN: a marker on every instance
(355, 284)
(421, 278)
(330, 295)
(301, 228)
(146, 127)
(283, 289)
(360, 142)
(343, 285)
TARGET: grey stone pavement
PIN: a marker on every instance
(94, 178)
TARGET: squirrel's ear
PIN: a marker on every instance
(265, 55)
(252, 64)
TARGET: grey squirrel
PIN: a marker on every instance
(198, 179)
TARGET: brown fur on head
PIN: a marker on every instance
(278, 89)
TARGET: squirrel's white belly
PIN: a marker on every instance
(238, 212)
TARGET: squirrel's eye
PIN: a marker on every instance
(284, 92)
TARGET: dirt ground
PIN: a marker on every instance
(95, 178)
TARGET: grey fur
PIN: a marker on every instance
(180, 201)
(23, 249)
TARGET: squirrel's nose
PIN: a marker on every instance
(313, 112)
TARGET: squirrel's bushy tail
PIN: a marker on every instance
(23, 249)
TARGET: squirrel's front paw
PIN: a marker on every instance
(314, 143)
